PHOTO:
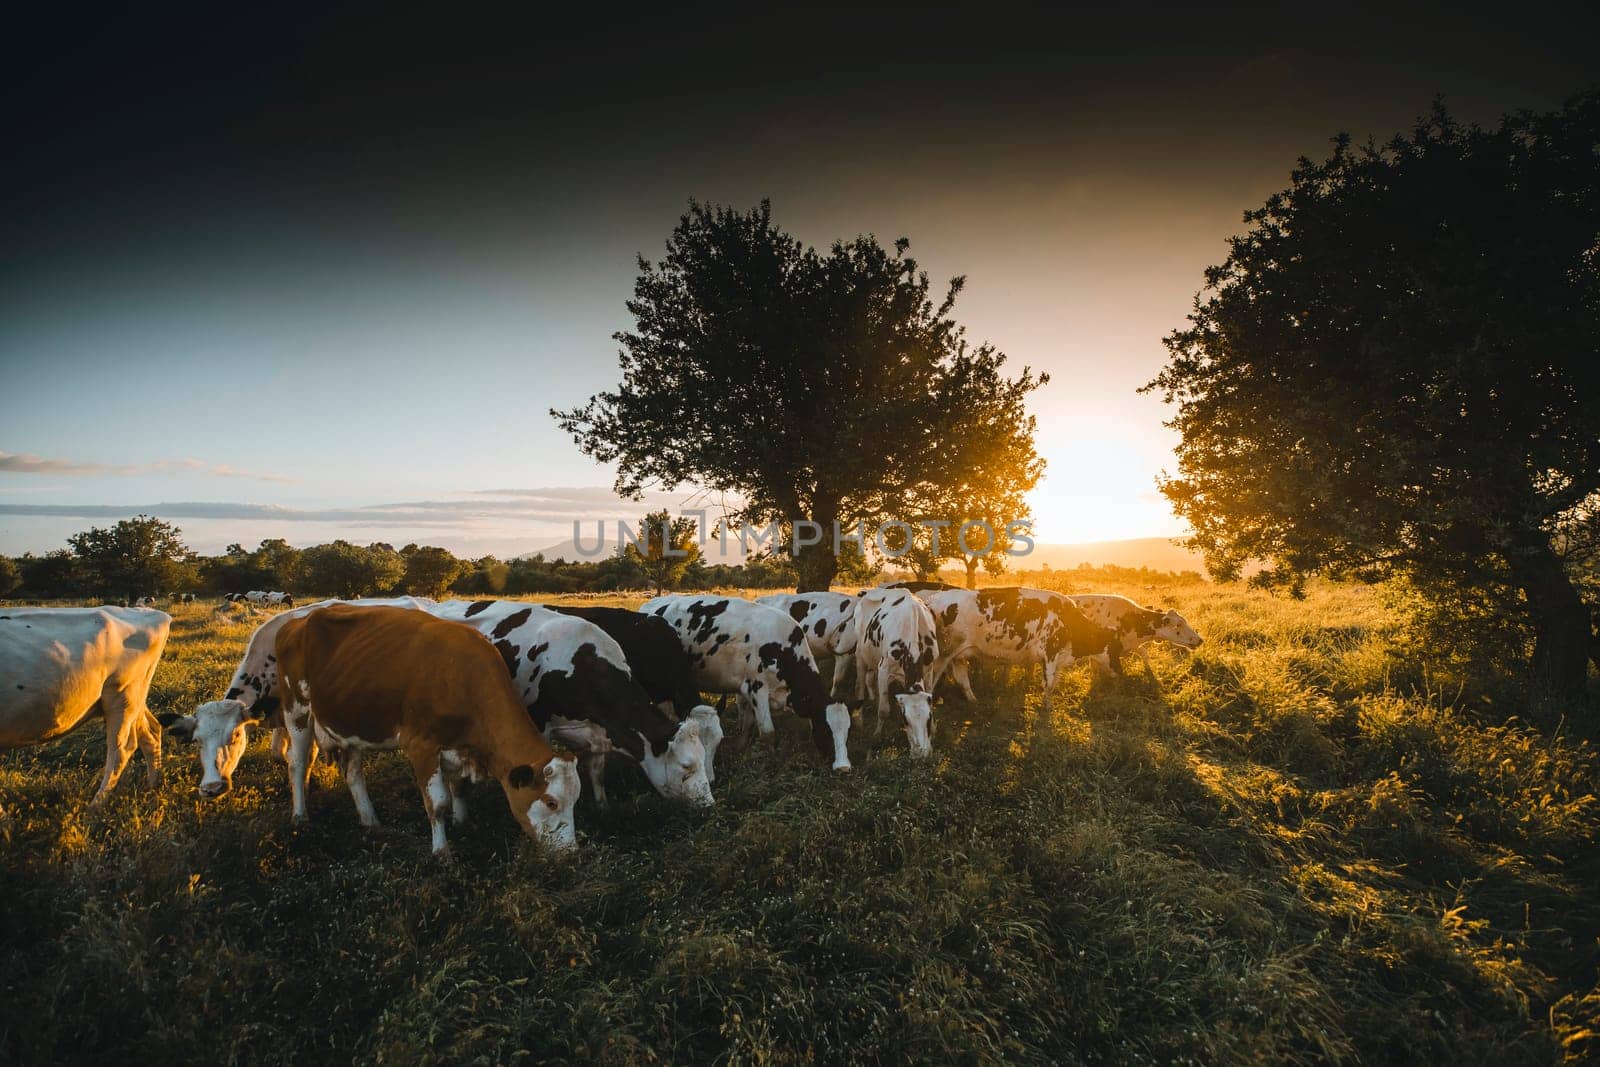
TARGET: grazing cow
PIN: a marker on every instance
(896, 645)
(1008, 625)
(59, 666)
(920, 587)
(365, 678)
(575, 683)
(181, 598)
(660, 665)
(1135, 626)
(144, 602)
(829, 622)
(232, 598)
(221, 728)
(260, 596)
(757, 652)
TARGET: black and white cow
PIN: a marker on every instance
(1008, 625)
(1136, 626)
(896, 647)
(181, 598)
(829, 622)
(575, 682)
(919, 587)
(144, 602)
(758, 653)
(260, 596)
(661, 666)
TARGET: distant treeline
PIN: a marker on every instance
(130, 566)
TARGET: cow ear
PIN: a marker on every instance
(522, 776)
(180, 726)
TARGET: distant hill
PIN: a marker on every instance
(1157, 553)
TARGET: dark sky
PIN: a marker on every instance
(353, 214)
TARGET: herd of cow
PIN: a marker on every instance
(472, 689)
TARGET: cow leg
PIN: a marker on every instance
(122, 737)
(841, 672)
(1050, 667)
(762, 699)
(356, 779)
(458, 803)
(279, 744)
(958, 671)
(149, 735)
(881, 705)
(430, 775)
(302, 752)
(594, 768)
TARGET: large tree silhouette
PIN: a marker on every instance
(814, 386)
(1395, 372)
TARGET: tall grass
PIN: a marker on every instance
(1285, 847)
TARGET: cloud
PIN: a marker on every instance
(27, 463)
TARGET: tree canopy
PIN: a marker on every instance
(142, 556)
(1395, 371)
(829, 386)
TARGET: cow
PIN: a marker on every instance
(576, 685)
(896, 645)
(144, 602)
(181, 598)
(1135, 626)
(59, 666)
(660, 665)
(221, 728)
(261, 596)
(372, 678)
(760, 654)
(829, 622)
(1011, 626)
(919, 587)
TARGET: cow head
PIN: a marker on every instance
(680, 771)
(705, 717)
(1176, 629)
(916, 707)
(221, 730)
(543, 801)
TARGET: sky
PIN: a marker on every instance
(324, 276)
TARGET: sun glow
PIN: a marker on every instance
(1100, 482)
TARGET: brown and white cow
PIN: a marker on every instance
(365, 678)
(60, 666)
(1012, 626)
(221, 728)
(896, 647)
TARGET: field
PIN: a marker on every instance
(1298, 844)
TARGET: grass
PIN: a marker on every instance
(1287, 847)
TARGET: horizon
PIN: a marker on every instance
(285, 289)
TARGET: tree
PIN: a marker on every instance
(658, 532)
(10, 576)
(813, 386)
(350, 571)
(278, 561)
(54, 574)
(430, 571)
(1395, 372)
(137, 557)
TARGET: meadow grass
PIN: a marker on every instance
(1290, 846)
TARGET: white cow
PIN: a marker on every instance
(896, 648)
(829, 622)
(757, 652)
(59, 666)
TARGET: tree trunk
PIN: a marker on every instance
(972, 572)
(1561, 626)
(816, 566)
